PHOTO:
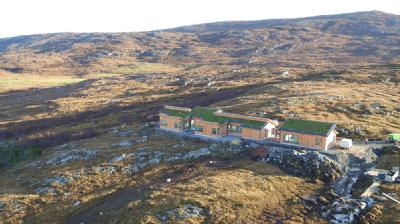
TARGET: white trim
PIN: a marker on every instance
(210, 136)
(299, 145)
(254, 138)
(172, 129)
(206, 121)
(184, 109)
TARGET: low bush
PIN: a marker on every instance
(12, 153)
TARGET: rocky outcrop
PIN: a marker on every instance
(345, 209)
(145, 159)
(184, 212)
(73, 155)
(309, 164)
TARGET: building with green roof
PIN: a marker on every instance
(213, 122)
(308, 133)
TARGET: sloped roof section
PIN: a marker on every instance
(308, 127)
(210, 115)
(176, 113)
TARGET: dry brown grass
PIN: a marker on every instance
(12, 82)
(343, 102)
(246, 192)
(391, 210)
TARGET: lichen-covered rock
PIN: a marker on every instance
(73, 155)
(184, 212)
(309, 164)
(123, 144)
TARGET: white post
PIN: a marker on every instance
(391, 198)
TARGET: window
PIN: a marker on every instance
(198, 128)
(318, 142)
(216, 131)
(293, 139)
(234, 128)
(187, 124)
(178, 125)
(163, 123)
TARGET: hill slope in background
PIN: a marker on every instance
(322, 41)
(87, 101)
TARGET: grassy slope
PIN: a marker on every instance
(245, 192)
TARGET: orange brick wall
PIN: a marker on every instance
(170, 121)
(207, 127)
(251, 133)
(306, 139)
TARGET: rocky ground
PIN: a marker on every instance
(83, 104)
(130, 169)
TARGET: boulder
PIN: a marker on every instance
(259, 153)
(184, 212)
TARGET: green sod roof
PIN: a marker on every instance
(308, 127)
(207, 114)
(176, 113)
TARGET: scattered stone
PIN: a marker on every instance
(346, 209)
(187, 211)
(57, 180)
(105, 168)
(2, 204)
(73, 155)
(145, 159)
(377, 105)
(123, 144)
(45, 190)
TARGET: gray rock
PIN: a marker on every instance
(187, 211)
(2, 204)
(309, 164)
(45, 190)
(61, 180)
(376, 105)
(76, 203)
(74, 155)
(358, 131)
(109, 169)
(123, 144)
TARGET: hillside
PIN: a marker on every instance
(315, 42)
(82, 105)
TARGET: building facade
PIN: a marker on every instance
(310, 134)
(215, 123)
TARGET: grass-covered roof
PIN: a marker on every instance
(176, 113)
(308, 126)
(207, 114)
